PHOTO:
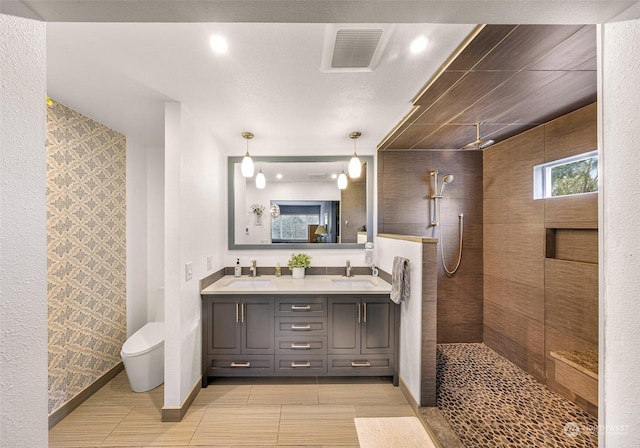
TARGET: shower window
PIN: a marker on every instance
(569, 176)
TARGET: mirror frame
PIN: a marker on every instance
(286, 246)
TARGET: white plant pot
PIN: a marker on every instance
(297, 272)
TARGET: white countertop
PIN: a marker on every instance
(310, 284)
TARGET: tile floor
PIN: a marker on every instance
(489, 402)
(309, 412)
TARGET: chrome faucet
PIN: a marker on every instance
(348, 273)
(253, 269)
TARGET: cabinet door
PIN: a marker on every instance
(344, 325)
(223, 332)
(377, 325)
(257, 325)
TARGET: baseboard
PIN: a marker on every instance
(56, 416)
(176, 414)
(405, 391)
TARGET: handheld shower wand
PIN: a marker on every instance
(447, 179)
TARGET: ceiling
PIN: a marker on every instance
(509, 78)
(271, 81)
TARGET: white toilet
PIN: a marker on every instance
(143, 357)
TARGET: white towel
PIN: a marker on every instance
(400, 286)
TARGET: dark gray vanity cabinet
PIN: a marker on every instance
(238, 335)
(361, 335)
(293, 335)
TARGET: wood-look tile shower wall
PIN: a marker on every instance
(404, 207)
(535, 303)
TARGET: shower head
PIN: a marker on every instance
(479, 143)
(447, 179)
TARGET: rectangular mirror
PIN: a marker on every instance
(301, 206)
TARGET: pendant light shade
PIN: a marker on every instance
(355, 167)
(342, 180)
(247, 162)
(261, 181)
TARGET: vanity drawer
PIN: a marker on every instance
(301, 344)
(239, 365)
(360, 365)
(287, 326)
(301, 306)
(301, 364)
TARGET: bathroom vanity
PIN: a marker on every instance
(279, 326)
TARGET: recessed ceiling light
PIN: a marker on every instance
(419, 44)
(278, 176)
(218, 44)
(334, 176)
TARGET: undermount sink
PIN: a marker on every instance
(250, 283)
(349, 283)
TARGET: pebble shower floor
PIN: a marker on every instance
(490, 402)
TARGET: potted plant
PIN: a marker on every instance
(297, 263)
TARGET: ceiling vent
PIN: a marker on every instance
(353, 49)
(317, 176)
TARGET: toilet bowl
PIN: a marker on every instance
(143, 357)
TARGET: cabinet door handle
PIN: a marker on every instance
(358, 313)
(301, 327)
(237, 312)
(300, 307)
(364, 312)
(242, 310)
(240, 364)
(302, 346)
(300, 364)
(360, 364)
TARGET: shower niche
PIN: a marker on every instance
(580, 245)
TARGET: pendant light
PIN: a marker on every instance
(342, 180)
(247, 163)
(355, 168)
(261, 181)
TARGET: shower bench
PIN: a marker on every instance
(577, 371)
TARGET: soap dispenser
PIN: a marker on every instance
(237, 270)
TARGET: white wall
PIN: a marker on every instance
(155, 233)
(410, 310)
(23, 243)
(194, 229)
(136, 237)
(619, 400)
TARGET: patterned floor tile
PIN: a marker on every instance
(490, 402)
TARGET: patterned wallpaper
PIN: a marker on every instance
(86, 237)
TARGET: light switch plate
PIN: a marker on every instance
(209, 262)
(188, 271)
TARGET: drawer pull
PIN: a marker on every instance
(300, 307)
(360, 364)
(300, 364)
(240, 364)
(302, 346)
(301, 327)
